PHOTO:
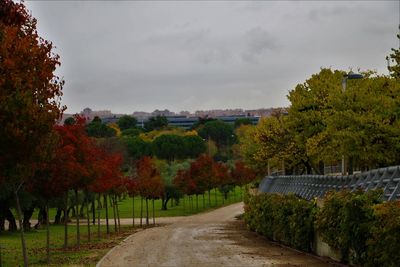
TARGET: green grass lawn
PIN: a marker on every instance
(87, 255)
(183, 209)
(90, 253)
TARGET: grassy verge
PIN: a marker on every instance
(90, 253)
(182, 209)
(87, 255)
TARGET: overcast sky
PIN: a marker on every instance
(144, 55)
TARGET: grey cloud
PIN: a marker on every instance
(137, 55)
(258, 41)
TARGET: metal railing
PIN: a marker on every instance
(310, 186)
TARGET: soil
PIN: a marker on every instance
(215, 238)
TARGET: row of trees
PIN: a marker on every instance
(324, 123)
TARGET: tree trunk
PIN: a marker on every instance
(183, 204)
(209, 198)
(21, 229)
(2, 223)
(215, 195)
(133, 210)
(197, 202)
(106, 206)
(27, 216)
(12, 224)
(94, 211)
(204, 202)
(47, 234)
(154, 218)
(114, 214)
(119, 220)
(66, 220)
(351, 165)
(164, 202)
(57, 218)
(88, 218)
(78, 233)
(147, 211)
(98, 217)
(141, 210)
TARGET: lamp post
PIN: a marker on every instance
(349, 76)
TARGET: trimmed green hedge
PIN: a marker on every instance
(366, 231)
(286, 219)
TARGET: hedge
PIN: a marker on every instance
(287, 219)
(365, 230)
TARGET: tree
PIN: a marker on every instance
(137, 148)
(132, 132)
(194, 146)
(126, 122)
(96, 128)
(29, 98)
(395, 58)
(155, 123)
(242, 121)
(218, 131)
(81, 168)
(169, 147)
(150, 184)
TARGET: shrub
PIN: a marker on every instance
(383, 244)
(287, 219)
(345, 222)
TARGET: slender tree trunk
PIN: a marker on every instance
(47, 234)
(98, 217)
(215, 195)
(241, 193)
(94, 210)
(9, 216)
(204, 202)
(209, 198)
(183, 203)
(78, 234)
(88, 218)
(147, 211)
(141, 210)
(21, 229)
(66, 220)
(115, 217)
(197, 202)
(119, 221)
(154, 218)
(133, 210)
(106, 206)
(57, 218)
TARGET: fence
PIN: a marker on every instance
(310, 186)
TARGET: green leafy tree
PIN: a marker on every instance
(155, 123)
(131, 132)
(194, 146)
(395, 58)
(137, 148)
(169, 147)
(242, 121)
(126, 122)
(96, 128)
(218, 131)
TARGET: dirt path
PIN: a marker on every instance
(210, 239)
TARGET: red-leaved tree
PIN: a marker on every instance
(29, 99)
